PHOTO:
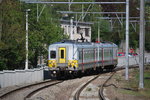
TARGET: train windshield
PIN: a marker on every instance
(53, 54)
(62, 54)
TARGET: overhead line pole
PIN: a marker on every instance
(37, 12)
(142, 43)
(26, 62)
(127, 41)
(71, 28)
(98, 31)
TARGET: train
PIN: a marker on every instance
(73, 56)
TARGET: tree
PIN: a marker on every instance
(12, 41)
(41, 34)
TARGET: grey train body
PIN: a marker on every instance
(72, 56)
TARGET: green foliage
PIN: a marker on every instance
(134, 37)
(147, 35)
(41, 34)
(147, 27)
(104, 30)
(12, 41)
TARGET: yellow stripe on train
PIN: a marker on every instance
(72, 63)
(52, 63)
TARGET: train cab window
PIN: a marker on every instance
(62, 53)
(53, 54)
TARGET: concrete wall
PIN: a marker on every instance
(17, 77)
(133, 60)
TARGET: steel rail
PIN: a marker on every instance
(77, 94)
(104, 84)
(23, 87)
(29, 95)
(101, 95)
(46, 2)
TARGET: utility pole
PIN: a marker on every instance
(26, 63)
(71, 28)
(37, 12)
(0, 29)
(98, 31)
(69, 5)
(82, 12)
(142, 43)
(127, 41)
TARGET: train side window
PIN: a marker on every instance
(62, 53)
(53, 54)
(80, 55)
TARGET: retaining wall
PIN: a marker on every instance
(17, 77)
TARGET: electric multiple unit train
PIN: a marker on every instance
(72, 57)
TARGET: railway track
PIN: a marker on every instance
(77, 94)
(34, 88)
(101, 89)
(101, 96)
(30, 89)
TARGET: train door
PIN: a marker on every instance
(62, 55)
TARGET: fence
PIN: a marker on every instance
(17, 77)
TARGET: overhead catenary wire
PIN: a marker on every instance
(46, 2)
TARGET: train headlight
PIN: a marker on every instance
(54, 72)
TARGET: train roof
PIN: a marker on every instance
(73, 42)
(103, 44)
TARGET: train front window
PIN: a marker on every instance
(62, 53)
(53, 54)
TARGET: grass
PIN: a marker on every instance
(133, 83)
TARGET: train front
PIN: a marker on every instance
(62, 58)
